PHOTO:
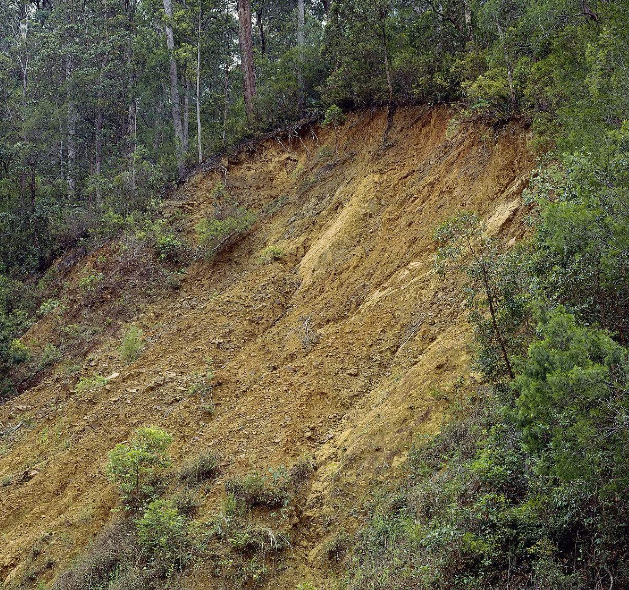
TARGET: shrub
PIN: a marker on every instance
(163, 533)
(91, 281)
(48, 356)
(131, 345)
(258, 539)
(136, 467)
(90, 383)
(168, 246)
(50, 306)
(200, 469)
(215, 233)
(272, 253)
(255, 489)
(202, 384)
(187, 502)
(109, 554)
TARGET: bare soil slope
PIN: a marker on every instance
(344, 349)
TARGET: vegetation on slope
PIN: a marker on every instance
(527, 486)
(528, 492)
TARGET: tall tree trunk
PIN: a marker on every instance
(260, 25)
(174, 89)
(71, 128)
(98, 131)
(245, 38)
(509, 64)
(301, 25)
(467, 4)
(186, 115)
(199, 130)
(227, 40)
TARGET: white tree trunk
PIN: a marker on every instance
(174, 89)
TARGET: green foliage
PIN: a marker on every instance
(496, 290)
(48, 356)
(216, 233)
(90, 383)
(334, 117)
(256, 489)
(131, 345)
(583, 236)
(164, 241)
(573, 401)
(136, 467)
(202, 468)
(91, 281)
(163, 533)
(272, 253)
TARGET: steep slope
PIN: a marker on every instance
(343, 349)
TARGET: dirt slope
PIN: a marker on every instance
(344, 349)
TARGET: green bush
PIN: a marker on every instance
(131, 345)
(272, 253)
(91, 281)
(164, 534)
(90, 383)
(214, 234)
(136, 467)
(267, 490)
(203, 467)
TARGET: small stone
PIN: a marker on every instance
(353, 372)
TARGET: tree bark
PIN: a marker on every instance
(199, 127)
(186, 115)
(301, 25)
(98, 130)
(71, 128)
(174, 89)
(468, 20)
(245, 38)
(260, 25)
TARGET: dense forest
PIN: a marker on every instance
(106, 104)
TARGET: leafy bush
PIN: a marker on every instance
(164, 241)
(91, 281)
(258, 539)
(200, 469)
(48, 356)
(215, 233)
(163, 533)
(90, 383)
(136, 467)
(518, 486)
(272, 253)
(131, 345)
(267, 490)
(109, 555)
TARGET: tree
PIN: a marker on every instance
(180, 140)
(301, 25)
(135, 467)
(245, 37)
(495, 294)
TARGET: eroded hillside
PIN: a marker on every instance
(343, 348)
